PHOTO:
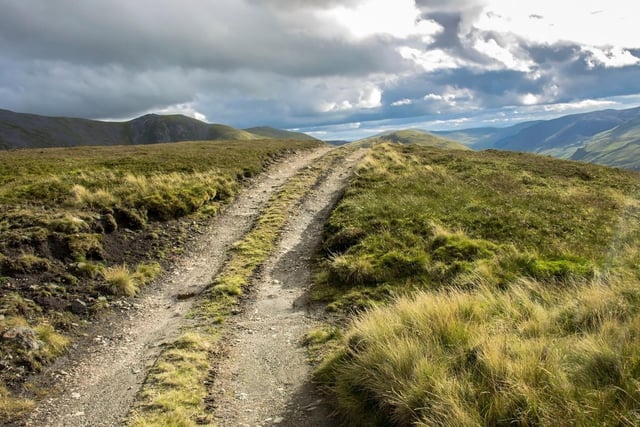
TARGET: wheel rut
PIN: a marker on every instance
(264, 377)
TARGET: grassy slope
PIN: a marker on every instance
(269, 132)
(517, 283)
(70, 218)
(616, 147)
(411, 136)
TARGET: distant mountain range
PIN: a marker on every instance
(18, 130)
(411, 136)
(608, 137)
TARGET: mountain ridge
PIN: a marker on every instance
(23, 130)
(594, 137)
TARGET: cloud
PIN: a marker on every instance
(610, 57)
(316, 64)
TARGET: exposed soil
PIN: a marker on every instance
(264, 378)
(95, 384)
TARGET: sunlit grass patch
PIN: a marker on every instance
(409, 362)
(178, 378)
(120, 281)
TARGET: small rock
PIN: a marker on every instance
(75, 395)
(78, 306)
(278, 420)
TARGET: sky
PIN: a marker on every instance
(334, 69)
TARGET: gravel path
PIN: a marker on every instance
(97, 382)
(264, 378)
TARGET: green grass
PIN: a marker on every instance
(411, 136)
(71, 217)
(484, 288)
(174, 393)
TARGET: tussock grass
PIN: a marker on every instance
(55, 343)
(484, 289)
(122, 281)
(529, 355)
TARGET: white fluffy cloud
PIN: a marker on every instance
(399, 18)
(587, 22)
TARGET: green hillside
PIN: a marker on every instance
(411, 136)
(269, 132)
(482, 288)
(607, 137)
(616, 147)
(222, 132)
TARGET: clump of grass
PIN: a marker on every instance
(147, 272)
(120, 281)
(89, 268)
(86, 246)
(12, 408)
(321, 335)
(55, 343)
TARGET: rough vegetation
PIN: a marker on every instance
(82, 227)
(483, 288)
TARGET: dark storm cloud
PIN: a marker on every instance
(144, 34)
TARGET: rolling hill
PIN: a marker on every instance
(411, 136)
(269, 132)
(18, 130)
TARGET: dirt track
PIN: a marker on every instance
(97, 383)
(264, 379)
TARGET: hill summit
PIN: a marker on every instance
(411, 136)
